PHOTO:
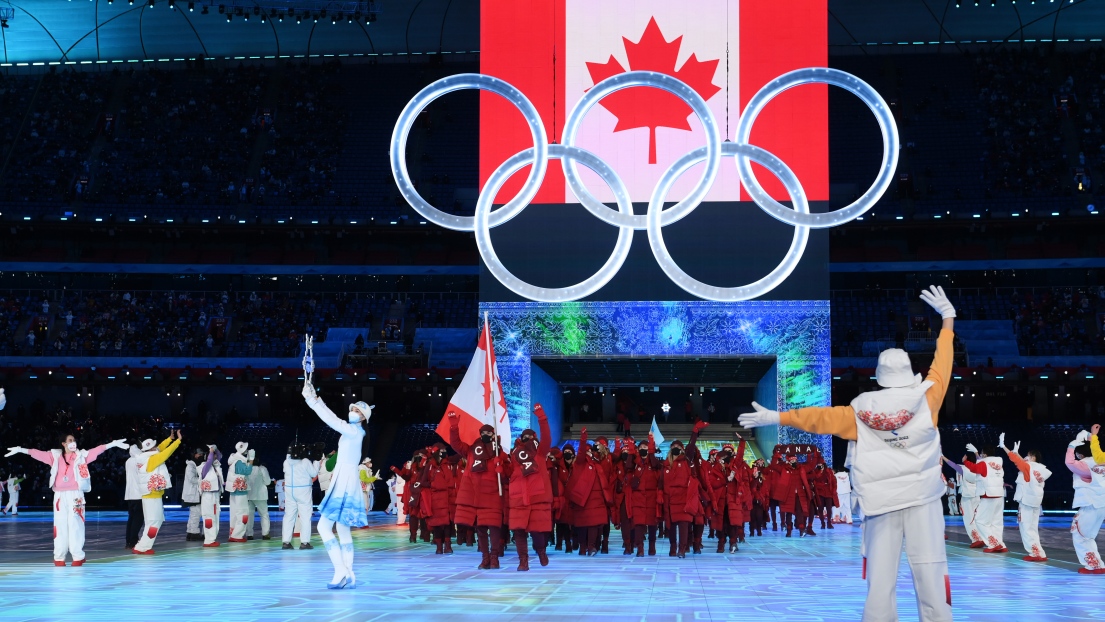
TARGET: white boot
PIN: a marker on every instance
(340, 580)
(347, 561)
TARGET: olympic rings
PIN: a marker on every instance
(657, 217)
(448, 85)
(563, 294)
(728, 294)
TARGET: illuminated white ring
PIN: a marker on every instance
(655, 80)
(848, 82)
(545, 294)
(712, 292)
(462, 81)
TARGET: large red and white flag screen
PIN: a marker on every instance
(555, 50)
(479, 399)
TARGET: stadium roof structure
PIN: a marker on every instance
(59, 32)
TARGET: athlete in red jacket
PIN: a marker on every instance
(479, 501)
(531, 492)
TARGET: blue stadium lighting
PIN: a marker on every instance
(937, 216)
(280, 222)
(352, 222)
(99, 220)
(28, 218)
(241, 222)
(976, 216)
(899, 218)
(314, 222)
(205, 220)
(1055, 213)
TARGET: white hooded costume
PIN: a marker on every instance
(190, 495)
(258, 496)
(211, 490)
(237, 484)
(895, 468)
(299, 478)
(1030, 497)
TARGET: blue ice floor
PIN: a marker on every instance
(770, 578)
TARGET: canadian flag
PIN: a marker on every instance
(726, 50)
(479, 399)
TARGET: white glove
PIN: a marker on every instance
(251, 454)
(121, 443)
(3, 399)
(309, 393)
(732, 476)
(1001, 440)
(971, 448)
(1017, 448)
(761, 417)
(934, 297)
(16, 450)
(1083, 436)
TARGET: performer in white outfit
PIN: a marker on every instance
(343, 506)
(153, 481)
(393, 505)
(190, 494)
(896, 471)
(1089, 499)
(14, 485)
(299, 477)
(843, 512)
(968, 497)
(990, 519)
(1029, 496)
(69, 479)
(278, 488)
(368, 482)
(400, 489)
(953, 502)
(211, 490)
(237, 484)
(258, 496)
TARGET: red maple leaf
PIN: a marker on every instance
(651, 107)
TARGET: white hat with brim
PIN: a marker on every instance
(894, 370)
(148, 444)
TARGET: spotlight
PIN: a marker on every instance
(349, 19)
(280, 18)
(191, 6)
(298, 19)
(262, 18)
(246, 17)
(151, 3)
(229, 17)
(333, 19)
(172, 4)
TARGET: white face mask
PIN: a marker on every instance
(354, 416)
(71, 446)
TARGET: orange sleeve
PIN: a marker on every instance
(940, 373)
(836, 420)
(1022, 466)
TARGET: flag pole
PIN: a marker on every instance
(491, 399)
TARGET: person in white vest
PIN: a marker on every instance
(1029, 497)
(953, 502)
(69, 479)
(237, 484)
(258, 496)
(190, 494)
(211, 490)
(1089, 500)
(133, 497)
(14, 484)
(895, 469)
(299, 477)
(400, 488)
(368, 482)
(969, 490)
(990, 519)
(843, 512)
(343, 506)
(278, 488)
(153, 481)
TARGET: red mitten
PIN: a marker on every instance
(701, 425)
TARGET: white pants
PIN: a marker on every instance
(990, 521)
(239, 516)
(921, 529)
(297, 514)
(194, 524)
(261, 507)
(69, 525)
(13, 502)
(970, 518)
(153, 513)
(843, 513)
(1028, 519)
(953, 505)
(280, 500)
(1084, 532)
(209, 509)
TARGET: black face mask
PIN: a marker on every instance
(642, 453)
(527, 439)
(486, 438)
(675, 451)
(417, 460)
(441, 455)
(569, 457)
